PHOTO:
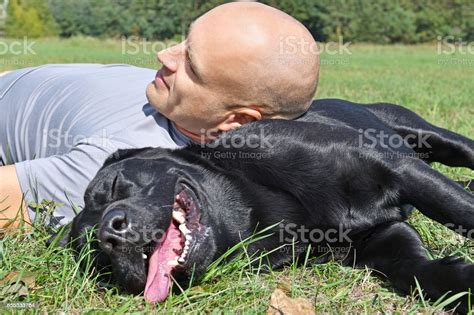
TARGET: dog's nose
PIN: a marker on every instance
(113, 230)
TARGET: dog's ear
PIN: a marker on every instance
(60, 238)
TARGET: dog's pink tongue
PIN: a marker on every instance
(158, 280)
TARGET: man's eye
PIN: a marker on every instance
(188, 60)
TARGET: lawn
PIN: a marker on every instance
(439, 87)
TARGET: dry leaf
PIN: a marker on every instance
(13, 290)
(281, 304)
(8, 277)
(15, 284)
(27, 277)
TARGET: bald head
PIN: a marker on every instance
(241, 61)
(259, 55)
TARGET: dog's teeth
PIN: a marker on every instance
(181, 260)
(144, 256)
(188, 237)
(178, 215)
(173, 263)
(184, 229)
(187, 243)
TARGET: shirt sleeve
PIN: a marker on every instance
(63, 179)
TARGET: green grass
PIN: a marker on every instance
(439, 87)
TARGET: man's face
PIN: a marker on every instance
(183, 90)
(205, 72)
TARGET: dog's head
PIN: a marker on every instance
(154, 217)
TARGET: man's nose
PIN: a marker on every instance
(171, 57)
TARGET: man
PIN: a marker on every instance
(60, 122)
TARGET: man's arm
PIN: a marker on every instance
(11, 196)
(12, 207)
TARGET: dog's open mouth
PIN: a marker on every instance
(176, 246)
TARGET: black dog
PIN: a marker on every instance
(338, 182)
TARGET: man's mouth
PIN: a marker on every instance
(159, 79)
(174, 250)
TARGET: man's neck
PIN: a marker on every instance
(198, 138)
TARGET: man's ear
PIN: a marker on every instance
(239, 117)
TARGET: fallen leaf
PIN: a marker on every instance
(13, 291)
(15, 284)
(281, 304)
(8, 277)
(27, 277)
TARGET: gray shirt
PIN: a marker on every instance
(58, 124)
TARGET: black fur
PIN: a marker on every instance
(317, 174)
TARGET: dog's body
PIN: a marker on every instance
(325, 174)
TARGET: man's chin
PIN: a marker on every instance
(151, 91)
(154, 98)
